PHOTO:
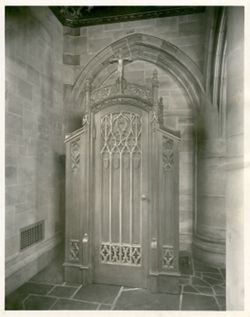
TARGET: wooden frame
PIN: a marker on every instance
(162, 220)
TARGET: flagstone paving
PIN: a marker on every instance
(201, 288)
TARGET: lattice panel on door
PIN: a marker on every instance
(168, 257)
(121, 155)
(120, 254)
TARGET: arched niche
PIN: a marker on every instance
(148, 48)
(91, 90)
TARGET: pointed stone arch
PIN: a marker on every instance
(151, 49)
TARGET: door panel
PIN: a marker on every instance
(121, 179)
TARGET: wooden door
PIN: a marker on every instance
(121, 189)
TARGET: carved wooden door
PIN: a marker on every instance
(121, 205)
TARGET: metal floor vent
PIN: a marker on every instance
(31, 234)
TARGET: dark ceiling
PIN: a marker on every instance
(92, 15)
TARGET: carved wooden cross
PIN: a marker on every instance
(121, 61)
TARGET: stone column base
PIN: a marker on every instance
(210, 252)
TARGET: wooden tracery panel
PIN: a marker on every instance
(120, 161)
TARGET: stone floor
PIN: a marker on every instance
(201, 288)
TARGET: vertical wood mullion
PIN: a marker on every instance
(110, 196)
(120, 202)
(130, 200)
(141, 204)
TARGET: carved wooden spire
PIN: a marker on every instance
(160, 111)
(155, 81)
(155, 86)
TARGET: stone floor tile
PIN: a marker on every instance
(102, 296)
(202, 267)
(14, 300)
(38, 302)
(98, 293)
(63, 291)
(198, 302)
(199, 281)
(37, 288)
(204, 289)
(223, 272)
(189, 289)
(222, 302)
(184, 280)
(198, 274)
(211, 281)
(105, 307)
(144, 300)
(126, 288)
(219, 290)
(69, 304)
(216, 276)
(72, 284)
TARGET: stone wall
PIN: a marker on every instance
(34, 137)
(82, 44)
(235, 169)
(186, 32)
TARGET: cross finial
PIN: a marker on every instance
(121, 61)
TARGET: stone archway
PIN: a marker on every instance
(165, 56)
(158, 52)
(150, 49)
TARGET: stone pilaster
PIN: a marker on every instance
(234, 165)
(209, 235)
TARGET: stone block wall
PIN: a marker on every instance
(34, 135)
(237, 165)
(82, 44)
(187, 33)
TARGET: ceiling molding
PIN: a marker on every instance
(91, 15)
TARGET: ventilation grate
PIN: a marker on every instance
(31, 234)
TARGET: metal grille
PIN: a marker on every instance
(31, 234)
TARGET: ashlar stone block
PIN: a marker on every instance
(71, 31)
(14, 194)
(11, 245)
(96, 45)
(191, 27)
(71, 59)
(75, 45)
(9, 221)
(10, 175)
(14, 104)
(14, 124)
(11, 155)
(24, 89)
(33, 75)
